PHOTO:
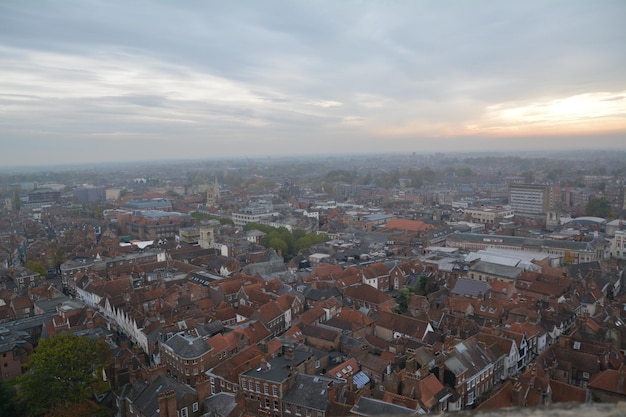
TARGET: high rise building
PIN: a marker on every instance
(529, 198)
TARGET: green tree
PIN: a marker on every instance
(599, 207)
(61, 371)
(37, 267)
(58, 257)
(403, 298)
(279, 246)
(420, 287)
(8, 407)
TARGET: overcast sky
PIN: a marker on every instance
(134, 80)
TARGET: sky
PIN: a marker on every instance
(97, 81)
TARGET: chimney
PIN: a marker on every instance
(517, 394)
(163, 404)
(203, 388)
(151, 373)
(172, 409)
(441, 372)
(167, 404)
(290, 354)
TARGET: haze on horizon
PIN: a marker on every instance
(94, 81)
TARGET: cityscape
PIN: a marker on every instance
(312, 209)
(333, 286)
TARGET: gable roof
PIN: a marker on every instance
(147, 399)
(187, 347)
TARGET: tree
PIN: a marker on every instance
(61, 371)
(598, 207)
(37, 267)
(403, 298)
(7, 400)
(420, 288)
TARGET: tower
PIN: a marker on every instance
(213, 194)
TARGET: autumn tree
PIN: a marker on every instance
(60, 372)
(37, 267)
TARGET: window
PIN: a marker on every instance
(244, 385)
(266, 389)
(275, 391)
(184, 412)
(258, 387)
(195, 407)
(317, 364)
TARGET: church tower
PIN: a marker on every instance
(213, 194)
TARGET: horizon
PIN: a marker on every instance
(89, 82)
(571, 154)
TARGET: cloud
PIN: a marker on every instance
(278, 76)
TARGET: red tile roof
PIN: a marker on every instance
(408, 225)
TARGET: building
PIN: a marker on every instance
(14, 351)
(189, 235)
(254, 214)
(213, 194)
(186, 357)
(41, 198)
(206, 238)
(574, 252)
(618, 245)
(152, 224)
(90, 195)
(149, 204)
(493, 214)
(529, 198)
(265, 386)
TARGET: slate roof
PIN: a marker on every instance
(504, 271)
(147, 400)
(373, 407)
(222, 402)
(526, 242)
(470, 287)
(309, 391)
(188, 347)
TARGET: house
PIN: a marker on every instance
(186, 356)
(320, 337)
(431, 395)
(15, 348)
(271, 315)
(376, 275)
(310, 395)
(469, 369)
(608, 385)
(391, 326)
(224, 377)
(368, 297)
(163, 397)
(265, 386)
